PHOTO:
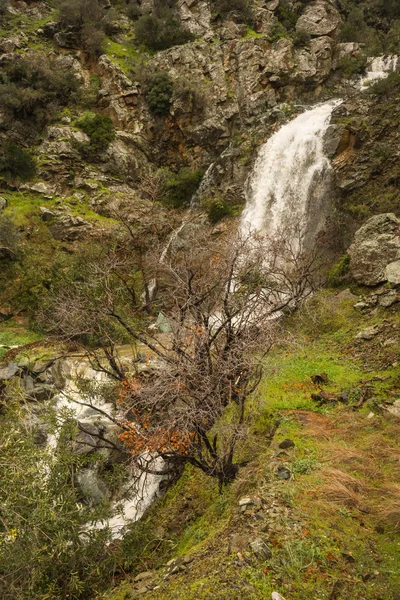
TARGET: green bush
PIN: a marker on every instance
(241, 9)
(33, 88)
(301, 38)
(339, 271)
(133, 10)
(16, 163)
(180, 187)
(161, 30)
(393, 38)
(278, 31)
(218, 208)
(158, 93)
(350, 66)
(356, 29)
(46, 549)
(88, 19)
(287, 16)
(100, 130)
(385, 87)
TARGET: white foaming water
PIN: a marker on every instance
(287, 181)
(146, 486)
(379, 68)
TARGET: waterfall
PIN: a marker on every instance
(288, 185)
(379, 68)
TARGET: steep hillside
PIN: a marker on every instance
(128, 132)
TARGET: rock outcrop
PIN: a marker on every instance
(375, 252)
(319, 18)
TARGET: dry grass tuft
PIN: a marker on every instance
(343, 488)
(390, 511)
(353, 458)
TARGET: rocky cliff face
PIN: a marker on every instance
(240, 78)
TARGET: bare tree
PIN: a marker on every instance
(221, 301)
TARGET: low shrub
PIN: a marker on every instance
(191, 95)
(133, 10)
(100, 130)
(339, 270)
(287, 16)
(218, 208)
(301, 38)
(180, 187)
(158, 93)
(385, 87)
(88, 19)
(277, 32)
(161, 30)
(353, 65)
(33, 88)
(356, 29)
(16, 163)
(241, 9)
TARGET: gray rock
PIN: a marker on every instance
(287, 443)
(245, 501)
(145, 576)
(276, 596)
(3, 203)
(361, 306)
(9, 371)
(42, 392)
(283, 472)
(86, 441)
(368, 334)
(395, 408)
(392, 272)
(376, 245)
(58, 372)
(260, 549)
(388, 299)
(319, 18)
(46, 214)
(67, 39)
(29, 385)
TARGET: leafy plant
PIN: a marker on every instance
(218, 208)
(16, 163)
(46, 550)
(277, 32)
(353, 65)
(240, 8)
(100, 130)
(159, 93)
(180, 187)
(161, 30)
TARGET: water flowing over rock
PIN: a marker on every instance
(89, 411)
(290, 182)
(379, 68)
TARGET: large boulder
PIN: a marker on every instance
(375, 250)
(319, 18)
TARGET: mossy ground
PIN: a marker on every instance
(333, 528)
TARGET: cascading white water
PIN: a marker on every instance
(287, 182)
(379, 68)
(71, 399)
